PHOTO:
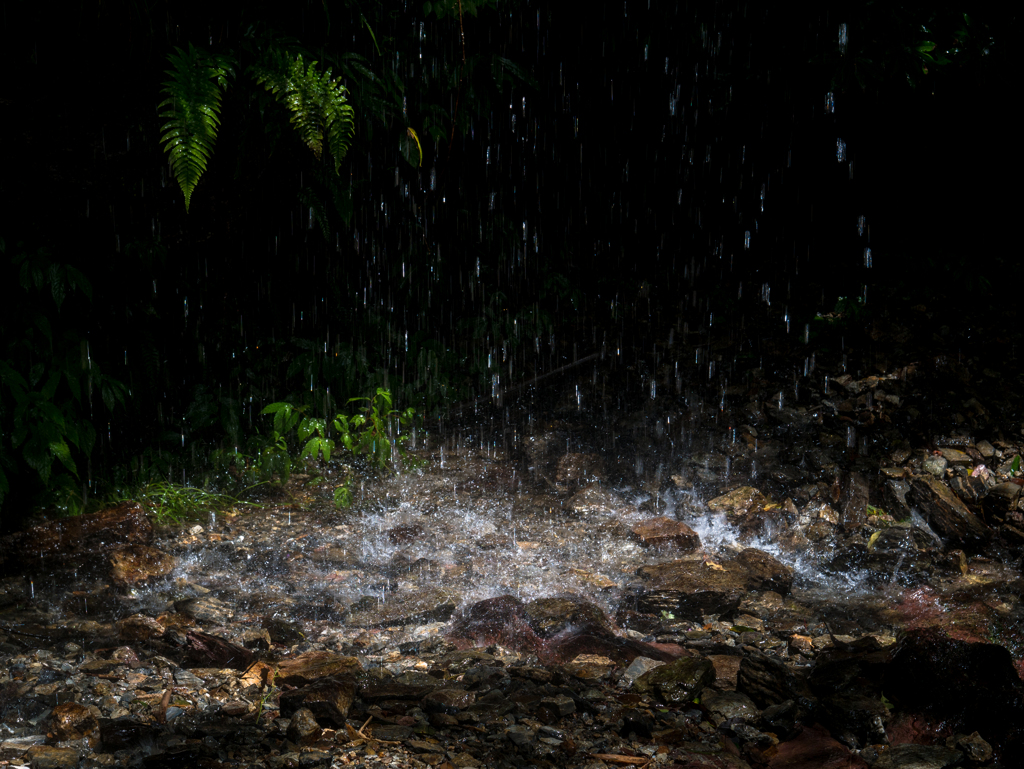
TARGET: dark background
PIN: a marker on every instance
(628, 148)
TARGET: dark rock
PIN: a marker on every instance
(767, 572)
(210, 651)
(77, 538)
(972, 686)
(665, 532)
(448, 701)
(768, 681)
(206, 610)
(548, 616)
(677, 682)
(814, 748)
(46, 757)
(136, 564)
(73, 721)
(303, 728)
(430, 605)
(313, 665)
(854, 502)
(911, 756)
(947, 514)
(329, 699)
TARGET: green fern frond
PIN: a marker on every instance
(191, 110)
(318, 103)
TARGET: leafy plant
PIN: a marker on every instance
(192, 111)
(48, 379)
(370, 434)
(318, 103)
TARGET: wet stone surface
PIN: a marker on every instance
(766, 596)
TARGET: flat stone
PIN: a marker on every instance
(310, 666)
(677, 682)
(910, 756)
(665, 532)
(690, 588)
(136, 564)
(431, 605)
(206, 610)
(956, 458)
(46, 757)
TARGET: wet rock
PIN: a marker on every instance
(329, 699)
(690, 588)
(947, 514)
(595, 500)
(123, 733)
(766, 571)
(576, 468)
(449, 701)
(592, 639)
(973, 747)
(918, 757)
(212, 651)
(724, 706)
(303, 728)
(431, 605)
(73, 721)
(854, 502)
(548, 616)
(282, 631)
(677, 682)
(814, 748)
(206, 610)
(46, 757)
(135, 564)
(769, 681)
(664, 532)
(310, 666)
(973, 686)
(75, 538)
(138, 627)
(935, 465)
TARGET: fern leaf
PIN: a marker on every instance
(191, 110)
(318, 103)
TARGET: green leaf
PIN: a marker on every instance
(318, 102)
(61, 451)
(191, 111)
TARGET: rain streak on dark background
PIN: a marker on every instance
(661, 164)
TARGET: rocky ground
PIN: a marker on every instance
(813, 564)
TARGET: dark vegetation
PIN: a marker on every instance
(511, 187)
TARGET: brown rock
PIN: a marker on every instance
(211, 651)
(46, 757)
(814, 748)
(308, 667)
(551, 615)
(947, 514)
(303, 728)
(138, 627)
(431, 605)
(82, 535)
(665, 532)
(767, 572)
(135, 564)
(692, 588)
(328, 698)
(73, 721)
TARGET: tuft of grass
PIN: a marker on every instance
(168, 503)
